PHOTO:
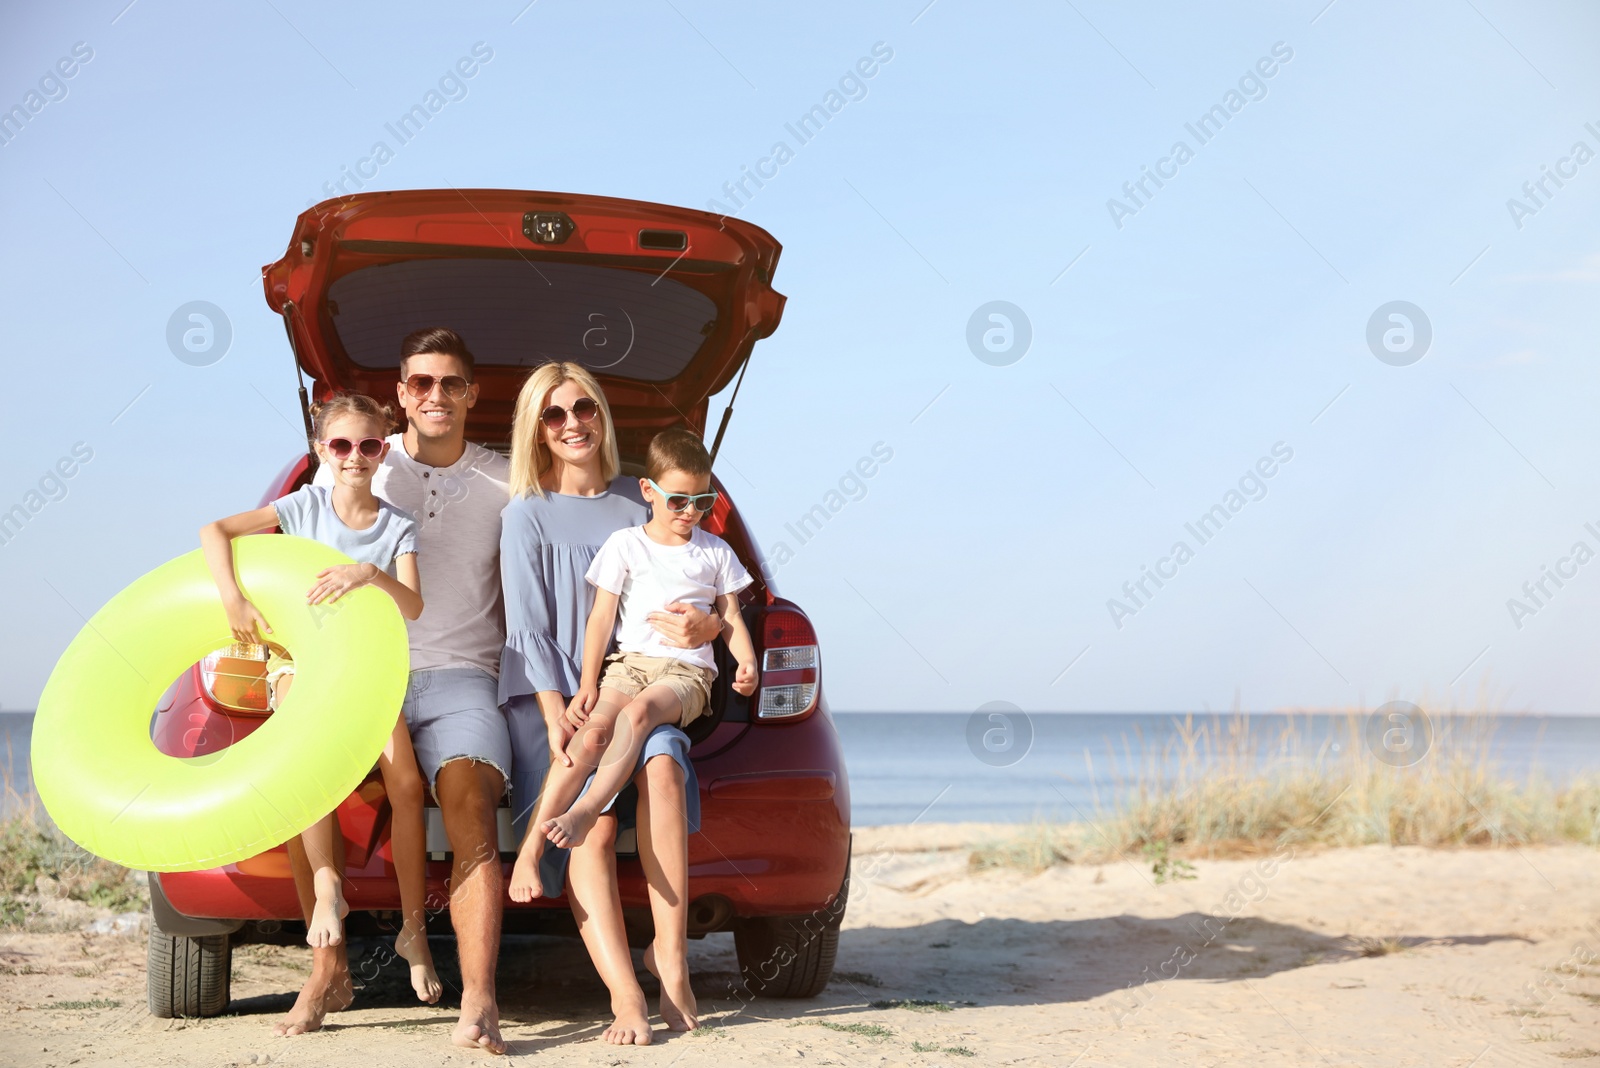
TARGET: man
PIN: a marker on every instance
(456, 491)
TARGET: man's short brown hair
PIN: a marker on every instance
(677, 450)
(440, 339)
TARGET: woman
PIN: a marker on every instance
(567, 497)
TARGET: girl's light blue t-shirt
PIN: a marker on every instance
(308, 512)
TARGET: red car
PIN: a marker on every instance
(664, 305)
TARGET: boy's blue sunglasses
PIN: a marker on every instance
(680, 502)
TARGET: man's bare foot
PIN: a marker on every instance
(632, 1025)
(478, 1028)
(569, 829)
(341, 991)
(525, 884)
(327, 915)
(412, 944)
(679, 1010)
(325, 992)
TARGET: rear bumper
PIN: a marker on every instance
(169, 920)
(772, 842)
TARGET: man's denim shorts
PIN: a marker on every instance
(453, 714)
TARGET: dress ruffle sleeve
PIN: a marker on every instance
(532, 659)
(532, 662)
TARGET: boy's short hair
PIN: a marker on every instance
(677, 450)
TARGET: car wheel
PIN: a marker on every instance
(791, 956)
(780, 958)
(188, 976)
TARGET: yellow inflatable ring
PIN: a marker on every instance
(109, 789)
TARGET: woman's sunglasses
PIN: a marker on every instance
(555, 416)
(341, 448)
(680, 502)
(453, 386)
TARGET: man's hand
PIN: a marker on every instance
(744, 680)
(334, 582)
(683, 626)
(581, 705)
(242, 620)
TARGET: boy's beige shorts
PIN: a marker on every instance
(628, 673)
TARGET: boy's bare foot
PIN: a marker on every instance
(632, 1025)
(327, 915)
(412, 944)
(525, 884)
(679, 1010)
(569, 829)
(478, 1028)
(326, 991)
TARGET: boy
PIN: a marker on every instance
(646, 683)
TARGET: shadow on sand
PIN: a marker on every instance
(547, 983)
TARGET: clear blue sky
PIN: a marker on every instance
(1228, 312)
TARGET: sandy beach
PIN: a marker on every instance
(1370, 956)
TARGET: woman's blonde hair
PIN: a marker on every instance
(530, 458)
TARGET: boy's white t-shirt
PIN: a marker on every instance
(649, 576)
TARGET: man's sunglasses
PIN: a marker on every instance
(453, 386)
(341, 448)
(555, 416)
(680, 502)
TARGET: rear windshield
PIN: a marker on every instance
(631, 324)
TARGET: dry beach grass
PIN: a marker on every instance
(1220, 789)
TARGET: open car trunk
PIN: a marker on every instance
(662, 304)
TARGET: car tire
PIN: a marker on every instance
(188, 976)
(791, 956)
(779, 958)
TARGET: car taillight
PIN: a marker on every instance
(790, 665)
(235, 677)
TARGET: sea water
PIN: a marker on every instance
(942, 767)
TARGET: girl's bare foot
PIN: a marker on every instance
(632, 1025)
(569, 829)
(412, 944)
(478, 1028)
(679, 1010)
(327, 915)
(525, 884)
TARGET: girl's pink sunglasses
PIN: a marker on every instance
(371, 448)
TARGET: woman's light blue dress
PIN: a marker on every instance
(546, 546)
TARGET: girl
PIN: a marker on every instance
(349, 432)
(567, 496)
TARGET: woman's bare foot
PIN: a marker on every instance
(569, 829)
(679, 1010)
(412, 944)
(327, 915)
(328, 990)
(525, 884)
(478, 1028)
(632, 1025)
